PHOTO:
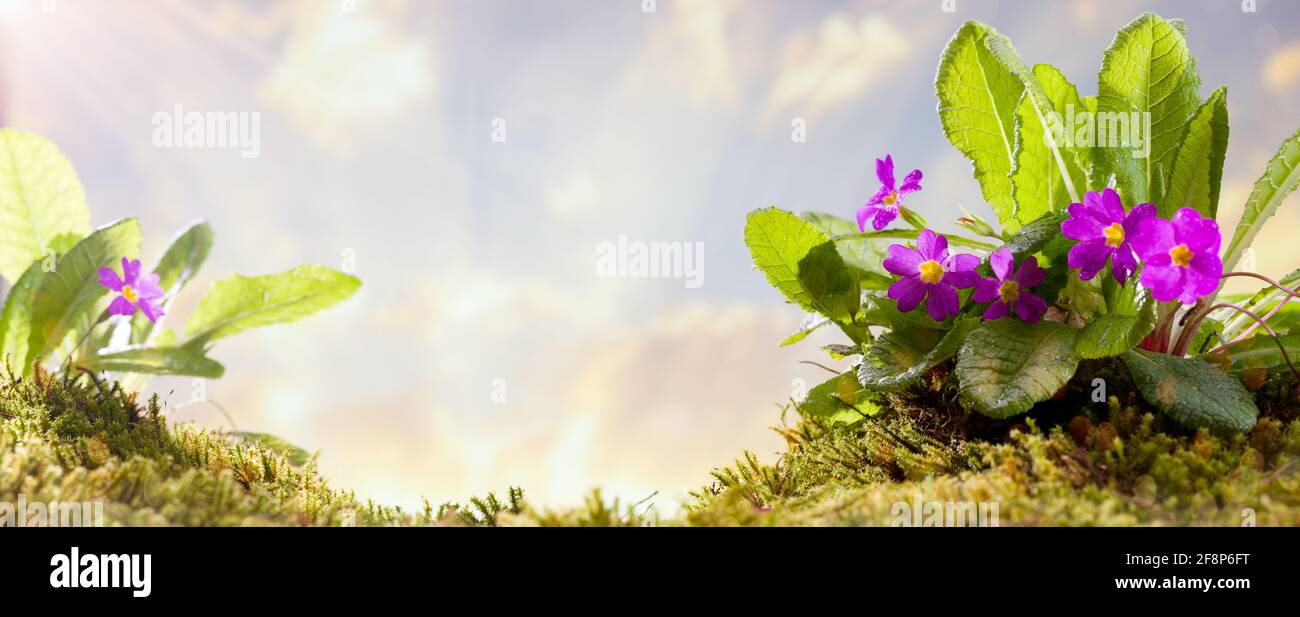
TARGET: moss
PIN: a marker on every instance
(1127, 468)
(77, 440)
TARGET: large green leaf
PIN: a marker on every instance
(1198, 167)
(40, 199)
(239, 303)
(899, 357)
(178, 265)
(839, 399)
(1119, 330)
(16, 320)
(1007, 366)
(156, 361)
(1279, 179)
(70, 298)
(1149, 71)
(977, 109)
(1193, 392)
(1045, 176)
(802, 263)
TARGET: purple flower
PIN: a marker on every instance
(1104, 232)
(135, 291)
(1008, 290)
(1180, 258)
(931, 274)
(883, 207)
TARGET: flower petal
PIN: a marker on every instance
(147, 287)
(911, 183)
(1002, 262)
(1081, 228)
(997, 310)
(932, 246)
(1123, 264)
(1089, 257)
(1165, 282)
(884, 216)
(1199, 234)
(903, 261)
(1154, 236)
(986, 290)
(1030, 274)
(908, 291)
(150, 311)
(1030, 307)
(130, 270)
(885, 171)
(961, 279)
(879, 197)
(1203, 273)
(1093, 206)
(865, 213)
(108, 278)
(121, 306)
(1137, 215)
(1112, 206)
(941, 302)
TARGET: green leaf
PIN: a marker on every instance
(296, 456)
(1260, 351)
(16, 320)
(1198, 167)
(866, 254)
(840, 352)
(900, 357)
(70, 298)
(1045, 176)
(911, 234)
(839, 399)
(1148, 70)
(1193, 392)
(178, 265)
(1279, 179)
(1007, 366)
(1036, 235)
(156, 361)
(977, 109)
(811, 322)
(238, 303)
(1117, 331)
(802, 263)
(40, 199)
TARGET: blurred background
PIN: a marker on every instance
(468, 159)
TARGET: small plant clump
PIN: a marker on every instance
(1107, 250)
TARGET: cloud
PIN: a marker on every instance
(340, 72)
(835, 63)
(1282, 69)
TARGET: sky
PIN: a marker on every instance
(470, 160)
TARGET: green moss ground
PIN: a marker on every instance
(1098, 464)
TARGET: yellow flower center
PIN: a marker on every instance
(1114, 235)
(931, 271)
(1010, 291)
(1181, 255)
(891, 198)
(130, 293)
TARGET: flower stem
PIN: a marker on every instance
(1272, 334)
